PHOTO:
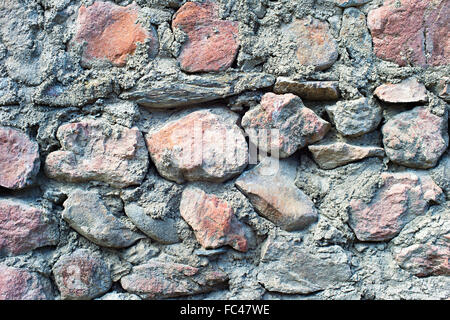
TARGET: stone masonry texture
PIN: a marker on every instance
(224, 149)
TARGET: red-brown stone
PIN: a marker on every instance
(213, 220)
(21, 284)
(24, 228)
(19, 159)
(212, 43)
(412, 33)
(111, 33)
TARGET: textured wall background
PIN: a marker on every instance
(99, 101)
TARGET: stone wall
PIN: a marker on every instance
(133, 144)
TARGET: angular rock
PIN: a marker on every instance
(110, 33)
(441, 174)
(81, 276)
(19, 159)
(189, 90)
(93, 150)
(271, 190)
(356, 117)
(21, 284)
(423, 247)
(212, 44)
(407, 91)
(350, 3)
(282, 124)
(163, 231)
(308, 90)
(315, 44)
(24, 228)
(400, 198)
(204, 145)
(411, 32)
(415, 138)
(292, 268)
(444, 89)
(85, 212)
(330, 156)
(213, 220)
(355, 36)
(156, 280)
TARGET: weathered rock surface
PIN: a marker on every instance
(204, 145)
(24, 228)
(212, 220)
(189, 90)
(81, 275)
(119, 296)
(415, 138)
(308, 90)
(407, 91)
(333, 155)
(350, 3)
(19, 159)
(423, 248)
(281, 125)
(21, 284)
(156, 280)
(355, 36)
(271, 190)
(400, 198)
(85, 212)
(315, 44)
(212, 44)
(411, 32)
(356, 117)
(441, 174)
(290, 267)
(111, 33)
(95, 150)
(160, 230)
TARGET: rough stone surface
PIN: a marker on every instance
(441, 174)
(424, 248)
(110, 32)
(24, 228)
(415, 138)
(281, 125)
(411, 32)
(200, 146)
(401, 198)
(19, 159)
(21, 284)
(330, 156)
(156, 280)
(212, 43)
(270, 188)
(213, 220)
(289, 267)
(85, 212)
(96, 150)
(308, 90)
(356, 117)
(315, 45)
(81, 276)
(350, 3)
(407, 91)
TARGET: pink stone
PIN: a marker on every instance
(212, 43)
(19, 159)
(111, 33)
(24, 228)
(315, 44)
(401, 198)
(21, 284)
(204, 145)
(156, 280)
(96, 150)
(414, 32)
(81, 275)
(416, 138)
(213, 220)
(407, 91)
(294, 125)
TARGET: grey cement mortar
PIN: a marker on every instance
(35, 57)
